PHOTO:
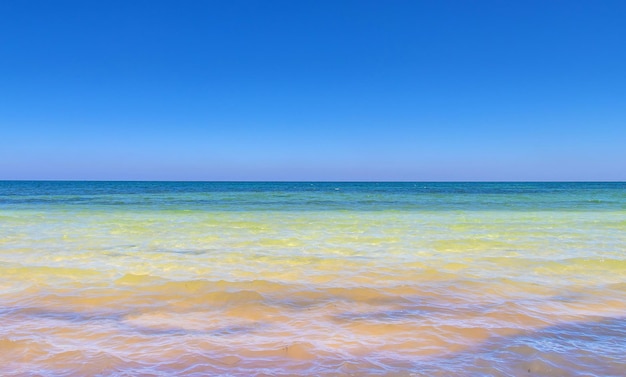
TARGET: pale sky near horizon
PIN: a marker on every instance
(313, 90)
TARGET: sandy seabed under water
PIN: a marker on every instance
(282, 282)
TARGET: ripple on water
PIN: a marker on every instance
(391, 281)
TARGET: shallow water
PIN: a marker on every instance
(325, 279)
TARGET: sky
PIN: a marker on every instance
(313, 90)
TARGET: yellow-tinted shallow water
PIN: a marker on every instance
(325, 293)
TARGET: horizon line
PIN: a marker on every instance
(311, 181)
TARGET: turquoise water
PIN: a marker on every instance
(276, 279)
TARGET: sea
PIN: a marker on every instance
(312, 279)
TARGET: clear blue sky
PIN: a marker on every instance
(313, 90)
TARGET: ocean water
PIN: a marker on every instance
(313, 279)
